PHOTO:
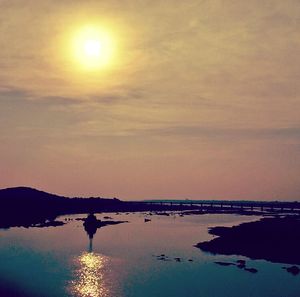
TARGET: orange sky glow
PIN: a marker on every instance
(197, 100)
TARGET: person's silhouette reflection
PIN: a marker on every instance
(90, 226)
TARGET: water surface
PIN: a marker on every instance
(57, 261)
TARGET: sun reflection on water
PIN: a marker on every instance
(90, 276)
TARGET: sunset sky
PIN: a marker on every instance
(197, 99)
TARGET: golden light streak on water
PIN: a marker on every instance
(90, 276)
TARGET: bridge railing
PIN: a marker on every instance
(262, 206)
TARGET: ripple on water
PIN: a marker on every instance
(90, 276)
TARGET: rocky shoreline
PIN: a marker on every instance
(272, 239)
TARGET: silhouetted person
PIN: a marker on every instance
(90, 226)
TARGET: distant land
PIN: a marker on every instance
(25, 206)
(273, 239)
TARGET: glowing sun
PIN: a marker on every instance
(93, 48)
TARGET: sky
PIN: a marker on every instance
(200, 99)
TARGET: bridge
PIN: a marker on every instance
(219, 205)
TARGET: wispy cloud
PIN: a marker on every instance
(189, 79)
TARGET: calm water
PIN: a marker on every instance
(56, 262)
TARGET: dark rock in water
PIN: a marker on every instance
(91, 224)
(107, 218)
(192, 212)
(241, 262)
(225, 263)
(162, 214)
(295, 270)
(272, 239)
(252, 270)
(177, 259)
(190, 260)
(146, 220)
(163, 257)
(49, 224)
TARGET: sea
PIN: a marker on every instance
(156, 257)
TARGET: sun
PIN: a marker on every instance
(93, 48)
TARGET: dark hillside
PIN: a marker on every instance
(24, 206)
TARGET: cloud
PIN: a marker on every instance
(234, 134)
(197, 72)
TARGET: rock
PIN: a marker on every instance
(241, 262)
(163, 257)
(271, 239)
(292, 269)
(252, 270)
(162, 214)
(177, 259)
(224, 263)
(49, 224)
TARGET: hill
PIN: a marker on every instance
(24, 206)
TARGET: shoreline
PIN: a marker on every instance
(272, 239)
(25, 207)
